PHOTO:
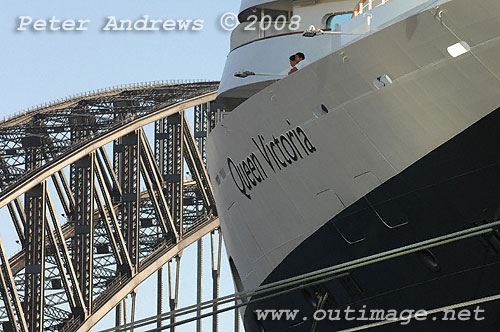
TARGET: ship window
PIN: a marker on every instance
(258, 14)
(337, 18)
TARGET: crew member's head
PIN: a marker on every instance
(300, 56)
(293, 60)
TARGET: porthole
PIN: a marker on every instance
(338, 18)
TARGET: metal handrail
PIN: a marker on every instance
(365, 5)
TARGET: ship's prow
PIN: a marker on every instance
(386, 139)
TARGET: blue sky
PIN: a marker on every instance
(40, 66)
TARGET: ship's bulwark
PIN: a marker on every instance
(453, 188)
(412, 161)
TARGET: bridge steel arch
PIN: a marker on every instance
(126, 171)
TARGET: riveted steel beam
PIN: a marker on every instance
(60, 193)
(197, 168)
(130, 200)
(34, 231)
(154, 183)
(74, 295)
(200, 135)
(10, 294)
(65, 253)
(109, 231)
(113, 185)
(170, 149)
(159, 295)
(127, 266)
(83, 217)
(8, 305)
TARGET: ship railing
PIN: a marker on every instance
(300, 32)
(248, 32)
(366, 5)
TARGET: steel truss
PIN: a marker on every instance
(124, 217)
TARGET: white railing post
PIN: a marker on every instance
(370, 4)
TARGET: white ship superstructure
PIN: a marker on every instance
(388, 137)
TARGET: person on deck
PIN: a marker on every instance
(301, 62)
(293, 63)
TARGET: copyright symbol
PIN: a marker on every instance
(229, 21)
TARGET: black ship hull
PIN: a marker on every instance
(455, 187)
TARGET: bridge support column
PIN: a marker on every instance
(173, 287)
(34, 233)
(132, 310)
(169, 139)
(129, 176)
(159, 299)
(199, 282)
(83, 216)
(118, 315)
(216, 257)
(200, 135)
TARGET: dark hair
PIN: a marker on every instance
(292, 57)
(301, 55)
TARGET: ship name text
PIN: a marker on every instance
(276, 155)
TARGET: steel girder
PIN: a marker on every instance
(113, 233)
(83, 217)
(200, 133)
(130, 184)
(34, 233)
